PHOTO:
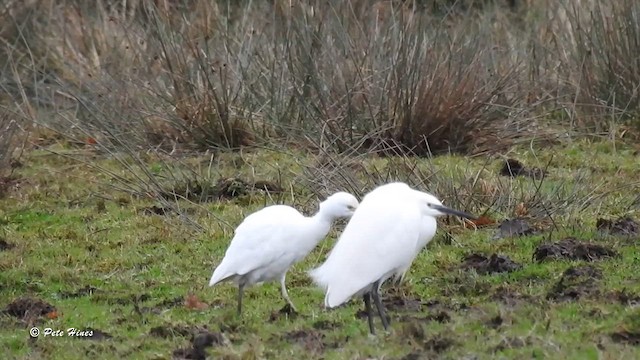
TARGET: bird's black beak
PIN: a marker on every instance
(447, 210)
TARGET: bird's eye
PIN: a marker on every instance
(350, 207)
(429, 204)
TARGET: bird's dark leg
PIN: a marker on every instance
(376, 299)
(369, 310)
(240, 291)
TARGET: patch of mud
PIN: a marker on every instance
(513, 228)
(624, 297)
(395, 301)
(513, 168)
(311, 340)
(495, 322)
(509, 296)
(83, 291)
(29, 309)
(487, 265)
(626, 337)
(287, 312)
(5, 245)
(416, 332)
(575, 283)
(624, 226)
(439, 343)
(199, 343)
(6, 183)
(571, 248)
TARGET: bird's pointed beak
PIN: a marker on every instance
(447, 210)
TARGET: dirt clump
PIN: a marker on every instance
(5, 245)
(487, 265)
(571, 248)
(438, 343)
(626, 337)
(286, 312)
(575, 283)
(199, 343)
(29, 309)
(311, 340)
(509, 296)
(513, 168)
(513, 228)
(623, 226)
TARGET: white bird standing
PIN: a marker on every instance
(268, 242)
(385, 234)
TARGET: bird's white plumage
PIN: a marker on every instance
(268, 242)
(262, 246)
(380, 241)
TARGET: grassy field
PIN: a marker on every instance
(107, 261)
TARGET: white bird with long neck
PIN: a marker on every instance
(390, 227)
(268, 242)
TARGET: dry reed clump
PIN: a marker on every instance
(417, 77)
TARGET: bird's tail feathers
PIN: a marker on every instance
(219, 274)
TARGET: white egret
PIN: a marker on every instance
(385, 234)
(268, 242)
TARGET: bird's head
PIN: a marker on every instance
(339, 205)
(431, 206)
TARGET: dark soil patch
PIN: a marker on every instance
(155, 210)
(571, 248)
(311, 340)
(513, 168)
(325, 325)
(624, 226)
(626, 337)
(624, 297)
(438, 343)
(513, 228)
(199, 343)
(575, 283)
(488, 265)
(398, 302)
(28, 309)
(84, 291)
(509, 296)
(286, 312)
(6, 182)
(4, 245)
(494, 322)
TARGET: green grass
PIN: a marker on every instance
(71, 232)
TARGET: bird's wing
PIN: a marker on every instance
(379, 240)
(259, 240)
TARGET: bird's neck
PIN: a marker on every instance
(322, 223)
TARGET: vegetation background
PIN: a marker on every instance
(136, 134)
